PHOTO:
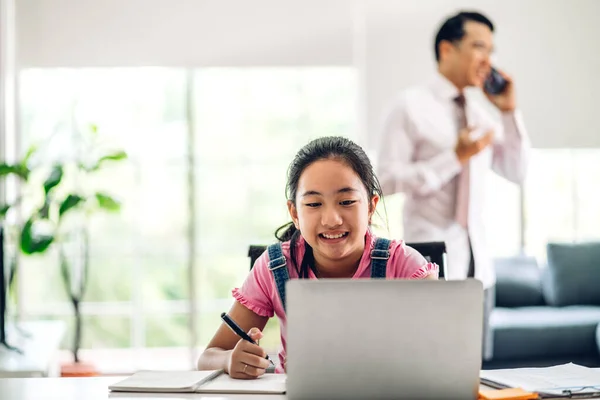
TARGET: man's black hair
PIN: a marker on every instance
(453, 29)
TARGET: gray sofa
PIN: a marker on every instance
(549, 315)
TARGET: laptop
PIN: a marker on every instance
(383, 339)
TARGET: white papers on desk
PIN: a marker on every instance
(559, 381)
(164, 381)
(198, 382)
(267, 383)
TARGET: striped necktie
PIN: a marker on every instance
(463, 182)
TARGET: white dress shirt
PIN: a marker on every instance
(416, 156)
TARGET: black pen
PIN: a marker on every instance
(238, 331)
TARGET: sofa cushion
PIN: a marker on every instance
(543, 331)
(573, 274)
(518, 282)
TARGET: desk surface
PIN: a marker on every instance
(96, 389)
(93, 389)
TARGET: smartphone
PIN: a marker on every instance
(495, 83)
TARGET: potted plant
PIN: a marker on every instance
(60, 219)
(21, 171)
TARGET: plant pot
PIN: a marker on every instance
(78, 369)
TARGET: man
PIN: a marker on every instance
(437, 146)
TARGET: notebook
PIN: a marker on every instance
(198, 382)
(565, 381)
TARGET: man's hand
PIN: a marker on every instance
(505, 101)
(467, 148)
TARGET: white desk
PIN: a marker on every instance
(97, 389)
(39, 341)
(94, 389)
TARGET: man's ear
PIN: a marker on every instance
(293, 213)
(445, 48)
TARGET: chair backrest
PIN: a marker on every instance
(254, 251)
(432, 251)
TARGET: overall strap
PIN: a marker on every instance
(379, 257)
(278, 266)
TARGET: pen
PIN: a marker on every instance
(238, 331)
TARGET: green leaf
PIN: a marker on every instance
(3, 210)
(54, 178)
(32, 242)
(30, 151)
(20, 170)
(71, 201)
(107, 202)
(116, 156)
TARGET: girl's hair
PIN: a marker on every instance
(324, 148)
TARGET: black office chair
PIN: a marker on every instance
(432, 251)
(254, 251)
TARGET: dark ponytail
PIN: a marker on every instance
(332, 147)
(289, 232)
(286, 232)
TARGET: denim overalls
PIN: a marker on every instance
(278, 264)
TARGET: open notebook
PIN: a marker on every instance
(564, 381)
(198, 382)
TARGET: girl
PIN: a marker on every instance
(332, 194)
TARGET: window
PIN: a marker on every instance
(214, 164)
(561, 197)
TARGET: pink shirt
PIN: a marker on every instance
(259, 292)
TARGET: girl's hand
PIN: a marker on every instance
(247, 360)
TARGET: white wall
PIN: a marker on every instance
(552, 48)
(183, 32)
